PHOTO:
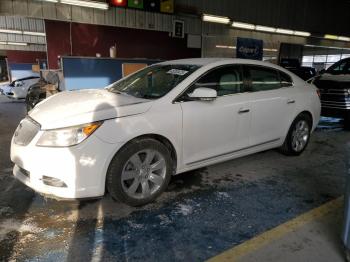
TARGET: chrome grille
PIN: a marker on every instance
(26, 131)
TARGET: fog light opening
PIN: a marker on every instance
(51, 181)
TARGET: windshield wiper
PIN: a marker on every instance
(149, 96)
(119, 92)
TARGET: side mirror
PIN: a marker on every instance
(322, 71)
(203, 94)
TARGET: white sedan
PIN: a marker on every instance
(18, 88)
(166, 119)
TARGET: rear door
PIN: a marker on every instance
(273, 104)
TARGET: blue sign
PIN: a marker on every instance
(249, 48)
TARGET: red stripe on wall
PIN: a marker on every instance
(30, 57)
(87, 40)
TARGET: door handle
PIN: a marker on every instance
(242, 111)
(290, 101)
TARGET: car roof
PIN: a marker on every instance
(217, 61)
(223, 61)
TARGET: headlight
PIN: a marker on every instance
(68, 136)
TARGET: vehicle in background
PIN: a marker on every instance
(334, 86)
(18, 88)
(293, 65)
(48, 85)
(166, 119)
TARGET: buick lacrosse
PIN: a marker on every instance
(166, 119)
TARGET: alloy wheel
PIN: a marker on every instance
(300, 135)
(143, 174)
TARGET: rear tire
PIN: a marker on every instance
(298, 136)
(139, 172)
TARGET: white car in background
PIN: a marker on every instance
(166, 119)
(18, 88)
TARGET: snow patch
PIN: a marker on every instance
(223, 194)
(135, 225)
(9, 225)
(184, 209)
(164, 220)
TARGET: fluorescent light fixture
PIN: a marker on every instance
(234, 47)
(243, 25)
(344, 38)
(13, 43)
(50, 1)
(270, 49)
(213, 19)
(10, 31)
(34, 33)
(91, 4)
(284, 31)
(265, 28)
(226, 46)
(17, 43)
(333, 37)
(302, 33)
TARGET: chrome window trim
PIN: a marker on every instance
(175, 101)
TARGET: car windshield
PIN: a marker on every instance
(339, 67)
(154, 81)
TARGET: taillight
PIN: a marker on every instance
(318, 92)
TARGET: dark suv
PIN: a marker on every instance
(334, 86)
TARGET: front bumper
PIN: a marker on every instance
(81, 169)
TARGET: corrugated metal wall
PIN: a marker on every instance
(36, 43)
(309, 15)
(114, 16)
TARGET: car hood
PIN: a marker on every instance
(6, 88)
(337, 78)
(72, 108)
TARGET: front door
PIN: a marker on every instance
(218, 127)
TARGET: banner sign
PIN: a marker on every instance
(249, 48)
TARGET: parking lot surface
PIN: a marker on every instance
(203, 212)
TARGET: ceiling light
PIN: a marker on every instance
(34, 33)
(10, 31)
(301, 33)
(333, 37)
(3, 43)
(91, 4)
(215, 19)
(344, 38)
(243, 25)
(225, 46)
(284, 31)
(265, 28)
(17, 43)
(51, 1)
(270, 49)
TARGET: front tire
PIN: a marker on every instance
(298, 136)
(139, 172)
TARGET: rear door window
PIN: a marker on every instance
(285, 79)
(263, 78)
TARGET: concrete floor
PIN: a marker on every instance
(317, 240)
(202, 214)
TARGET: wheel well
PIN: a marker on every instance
(162, 140)
(308, 114)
